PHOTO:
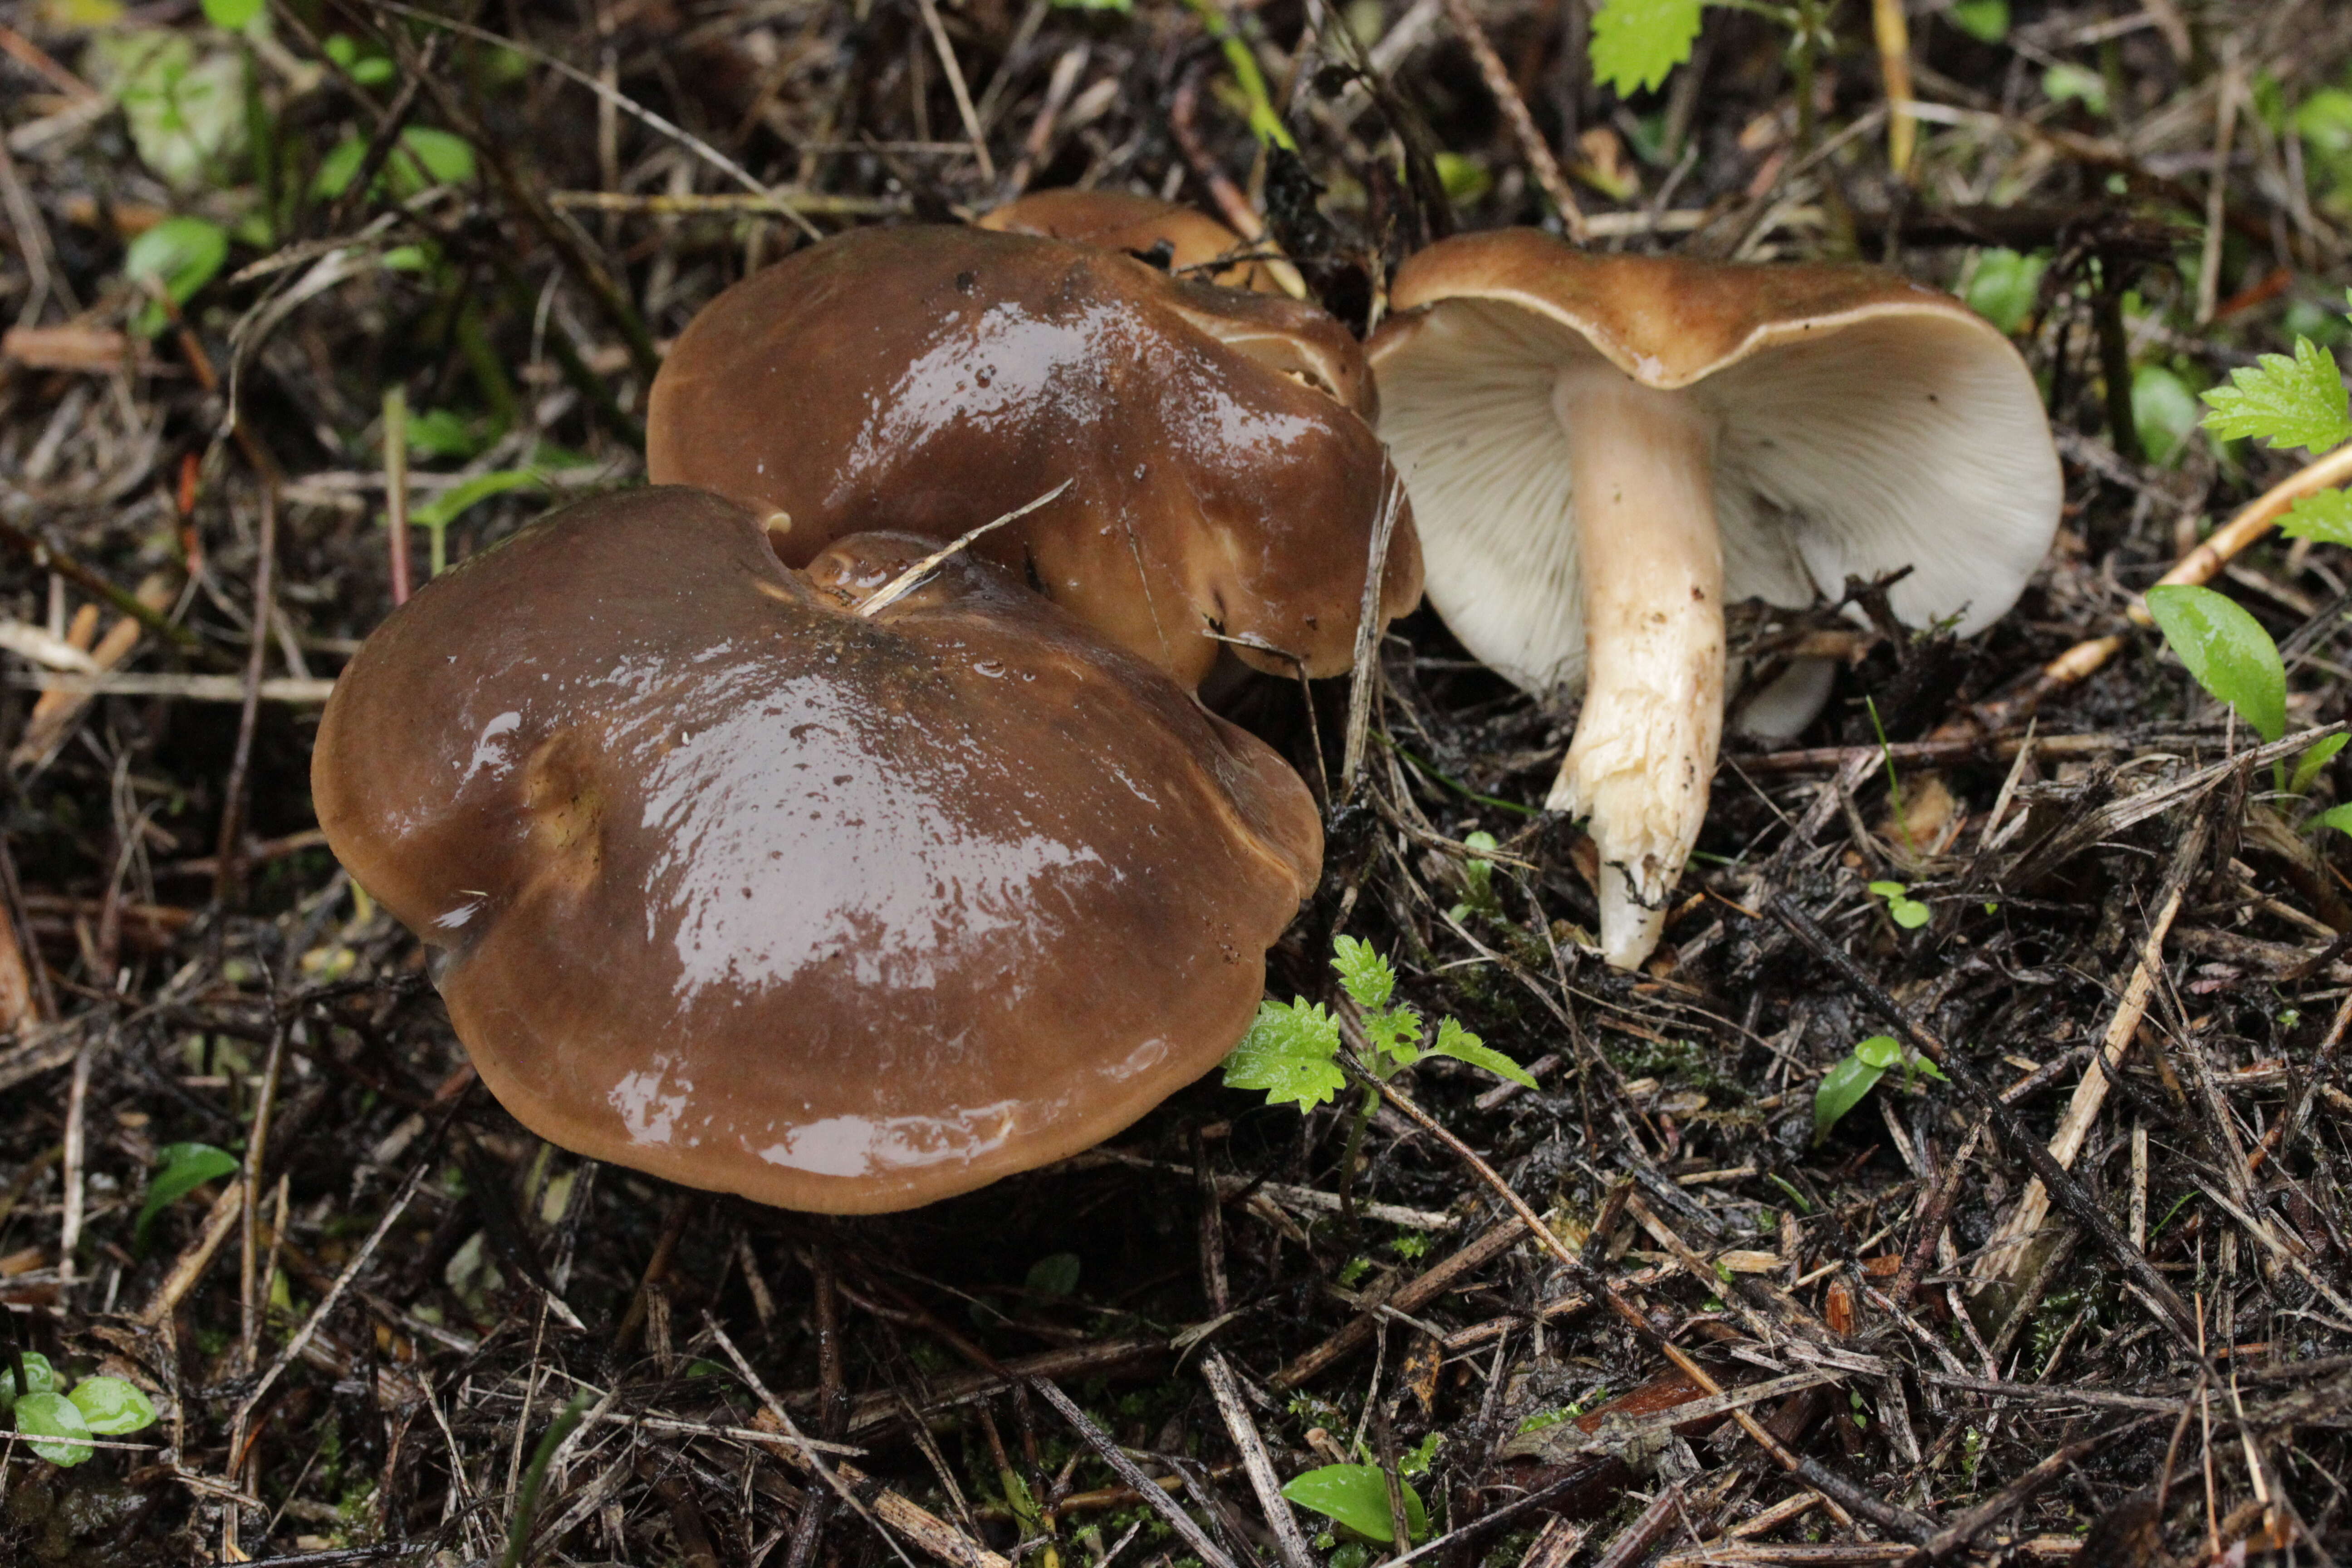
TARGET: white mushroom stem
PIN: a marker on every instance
(1650, 566)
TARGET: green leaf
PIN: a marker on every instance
(1908, 912)
(2307, 767)
(444, 433)
(53, 1415)
(1986, 21)
(179, 256)
(1636, 42)
(1366, 975)
(39, 1378)
(1395, 1037)
(1056, 1274)
(2066, 82)
(1357, 1496)
(425, 158)
(2164, 411)
(2227, 652)
(429, 157)
(232, 16)
(185, 109)
(1289, 1052)
(2005, 286)
(2297, 402)
(2324, 515)
(182, 1168)
(446, 508)
(2338, 817)
(111, 1407)
(1453, 1040)
(1842, 1089)
(1880, 1051)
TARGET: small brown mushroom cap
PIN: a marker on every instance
(1223, 481)
(1122, 220)
(747, 890)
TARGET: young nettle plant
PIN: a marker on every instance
(2288, 400)
(1292, 1050)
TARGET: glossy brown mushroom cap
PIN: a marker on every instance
(1122, 220)
(1221, 480)
(752, 892)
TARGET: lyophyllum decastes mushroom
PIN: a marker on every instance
(747, 889)
(1601, 449)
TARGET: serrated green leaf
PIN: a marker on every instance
(39, 1378)
(1395, 1037)
(1358, 1497)
(182, 1168)
(53, 1415)
(2316, 757)
(2227, 652)
(2296, 401)
(111, 1407)
(1453, 1040)
(1842, 1089)
(1366, 975)
(1636, 42)
(2324, 515)
(1289, 1054)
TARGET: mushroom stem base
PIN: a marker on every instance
(1650, 566)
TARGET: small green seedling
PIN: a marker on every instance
(1901, 908)
(98, 1407)
(1356, 1496)
(184, 1167)
(1844, 1085)
(174, 259)
(1292, 1049)
(1478, 882)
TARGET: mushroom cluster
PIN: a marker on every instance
(774, 848)
(1603, 449)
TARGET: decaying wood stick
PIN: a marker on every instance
(2002, 1254)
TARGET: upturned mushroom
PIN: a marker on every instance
(1601, 449)
(1199, 247)
(1223, 481)
(747, 888)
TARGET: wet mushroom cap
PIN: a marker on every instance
(1223, 481)
(1122, 220)
(746, 890)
